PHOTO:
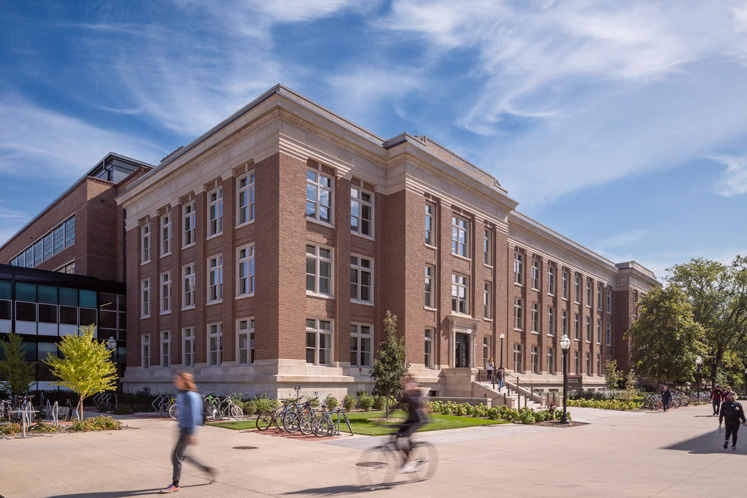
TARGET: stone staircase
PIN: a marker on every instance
(509, 395)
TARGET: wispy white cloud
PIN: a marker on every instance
(11, 220)
(624, 239)
(733, 181)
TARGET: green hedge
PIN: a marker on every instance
(522, 415)
(606, 404)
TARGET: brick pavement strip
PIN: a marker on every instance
(617, 454)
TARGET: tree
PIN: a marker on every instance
(390, 368)
(665, 339)
(18, 374)
(718, 295)
(86, 365)
(612, 375)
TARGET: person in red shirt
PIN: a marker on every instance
(716, 395)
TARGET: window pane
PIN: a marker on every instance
(88, 316)
(47, 294)
(5, 287)
(25, 292)
(68, 315)
(48, 313)
(68, 296)
(87, 299)
(5, 311)
(25, 312)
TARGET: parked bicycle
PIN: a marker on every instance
(324, 425)
(275, 417)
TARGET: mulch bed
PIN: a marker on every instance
(555, 423)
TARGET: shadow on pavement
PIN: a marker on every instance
(341, 490)
(706, 444)
(117, 494)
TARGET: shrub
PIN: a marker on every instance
(349, 402)
(263, 404)
(125, 409)
(365, 401)
(10, 429)
(379, 402)
(99, 423)
(43, 428)
(607, 404)
(331, 402)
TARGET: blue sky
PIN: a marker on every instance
(622, 125)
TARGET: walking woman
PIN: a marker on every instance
(731, 413)
(501, 375)
(489, 368)
(189, 403)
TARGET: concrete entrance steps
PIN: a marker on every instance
(509, 397)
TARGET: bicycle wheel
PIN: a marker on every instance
(305, 423)
(236, 412)
(291, 422)
(426, 459)
(376, 467)
(174, 411)
(323, 426)
(265, 420)
(163, 409)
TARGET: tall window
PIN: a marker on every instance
(577, 326)
(166, 292)
(518, 267)
(165, 349)
(215, 343)
(215, 212)
(165, 234)
(429, 301)
(609, 301)
(589, 293)
(588, 364)
(551, 361)
(487, 247)
(564, 322)
(70, 232)
(188, 286)
(577, 363)
(188, 348)
(430, 214)
(361, 212)
(517, 358)
(428, 360)
(188, 224)
(318, 196)
(361, 279)
(485, 349)
(245, 269)
(145, 244)
(551, 321)
(318, 270)
(245, 198)
(360, 345)
(459, 294)
(565, 284)
(460, 236)
(599, 331)
(535, 274)
(486, 299)
(245, 336)
(588, 329)
(215, 279)
(609, 334)
(145, 350)
(535, 360)
(599, 364)
(145, 298)
(535, 317)
(599, 297)
(518, 314)
(551, 280)
(318, 341)
(577, 289)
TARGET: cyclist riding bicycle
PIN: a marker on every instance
(416, 418)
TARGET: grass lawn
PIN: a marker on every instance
(362, 424)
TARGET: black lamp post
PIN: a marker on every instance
(565, 345)
(504, 335)
(111, 345)
(698, 362)
(745, 380)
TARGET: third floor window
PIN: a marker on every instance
(215, 212)
(318, 196)
(459, 236)
(361, 212)
(245, 199)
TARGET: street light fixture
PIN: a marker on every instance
(565, 345)
(111, 344)
(698, 362)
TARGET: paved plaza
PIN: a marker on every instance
(616, 454)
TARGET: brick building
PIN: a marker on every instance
(265, 254)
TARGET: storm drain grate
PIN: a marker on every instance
(245, 447)
(372, 465)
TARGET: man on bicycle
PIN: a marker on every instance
(416, 418)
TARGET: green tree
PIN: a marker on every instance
(390, 368)
(612, 375)
(666, 339)
(18, 375)
(718, 295)
(86, 366)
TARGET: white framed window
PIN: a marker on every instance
(551, 361)
(551, 321)
(318, 341)
(361, 212)
(599, 331)
(319, 196)
(428, 349)
(609, 301)
(145, 350)
(429, 286)
(565, 285)
(599, 297)
(485, 349)
(588, 329)
(577, 289)
(165, 349)
(551, 279)
(215, 344)
(361, 279)
(245, 270)
(188, 286)
(215, 279)
(487, 247)
(535, 317)
(245, 338)
(577, 326)
(245, 199)
(188, 346)
(145, 244)
(188, 224)
(459, 294)
(165, 292)
(487, 294)
(535, 274)
(518, 358)
(608, 333)
(577, 362)
(518, 267)
(518, 314)
(535, 360)
(166, 234)
(430, 216)
(319, 270)
(361, 337)
(599, 364)
(589, 293)
(145, 298)
(215, 212)
(588, 364)
(564, 322)
(460, 236)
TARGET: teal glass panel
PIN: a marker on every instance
(47, 294)
(25, 292)
(68, 297)
(5, 286)
(87, 299)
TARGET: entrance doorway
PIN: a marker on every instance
(461, 342)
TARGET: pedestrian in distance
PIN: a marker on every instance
(725, 395)
(189, 403)
(731, 413)
(489, 368)
(666, 397)
(501, 375)
(716, 395)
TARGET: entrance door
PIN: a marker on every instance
(462, 350)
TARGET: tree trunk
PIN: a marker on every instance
(80, 409)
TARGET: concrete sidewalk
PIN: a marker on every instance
(617, 454)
